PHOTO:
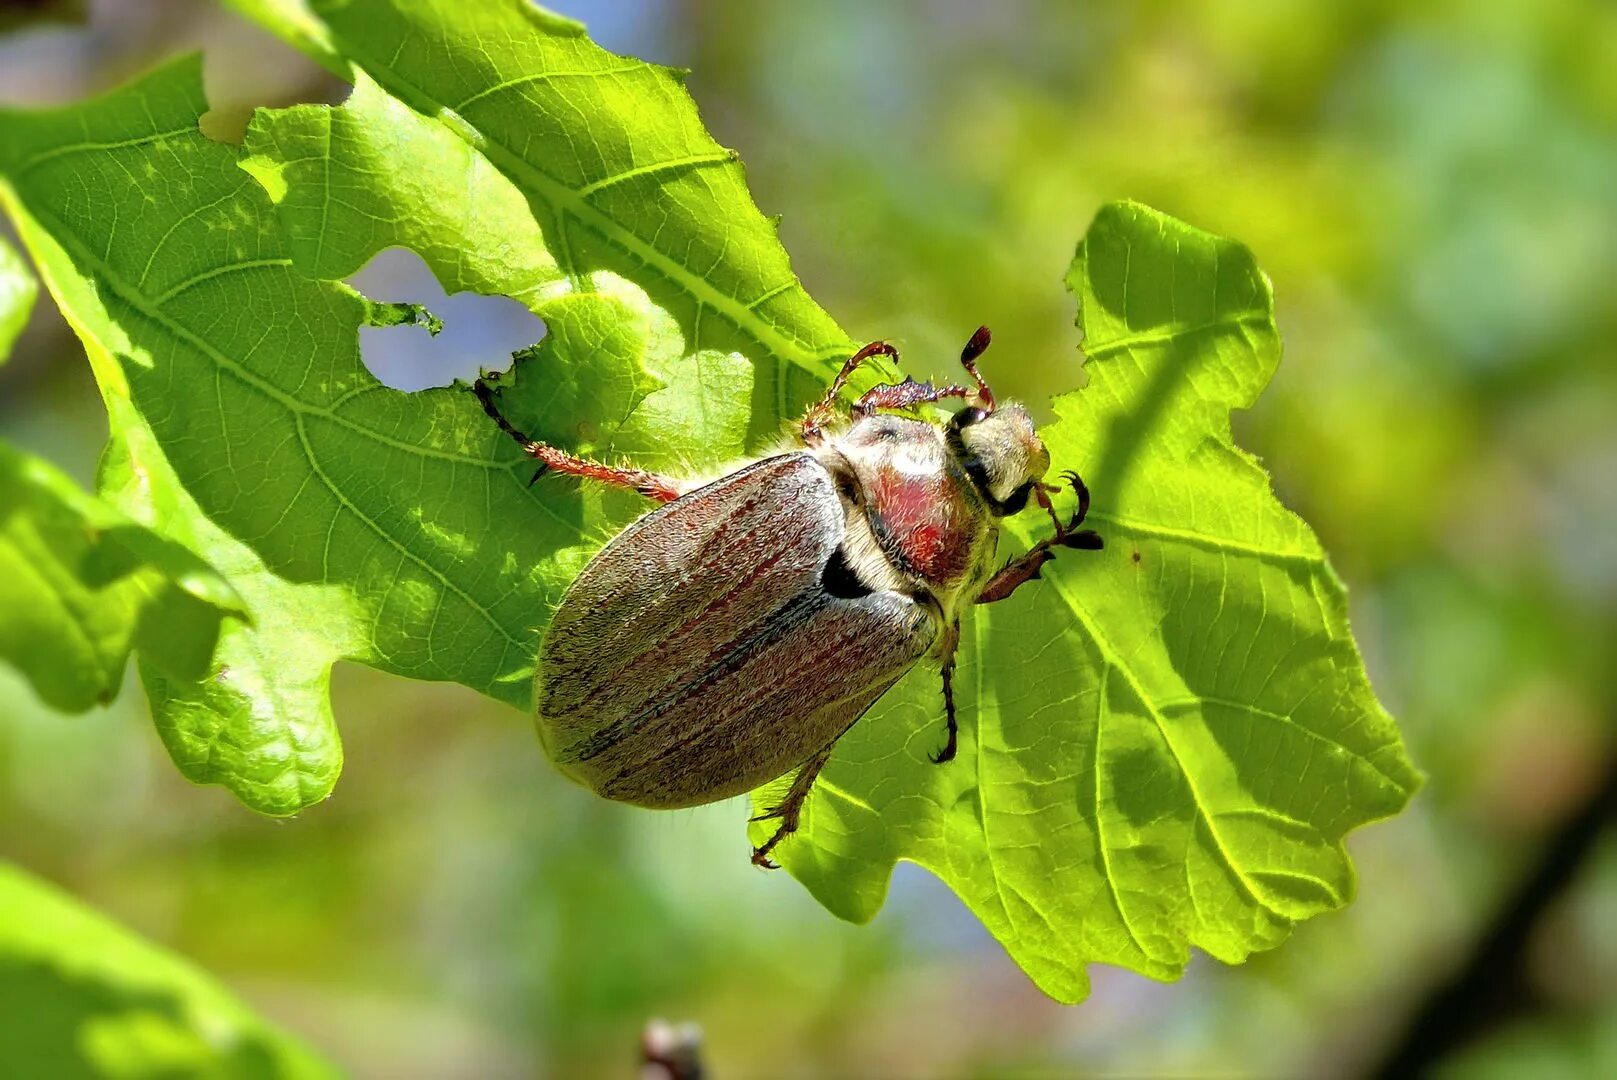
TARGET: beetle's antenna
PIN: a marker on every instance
(968, 359)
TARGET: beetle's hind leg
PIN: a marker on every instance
(651, 485)
(790, 808)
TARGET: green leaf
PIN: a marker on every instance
(1163, 744)
(81, 585)
(81, 996)
(17, 291)
(1156, 752)
(397, 530)
(607, 152)
(261, 722)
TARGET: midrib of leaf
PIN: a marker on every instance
(56, 588)
(977, 628)
(1103, 349)
(1112, 659)
(1209, 541)
(138, 300)
(1101, 843)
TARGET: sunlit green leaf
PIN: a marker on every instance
(1164, 743)
(81, 996)
(607, 152)
(397, 530)
(81, 585)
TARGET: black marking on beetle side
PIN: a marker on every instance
(1136, 557)
(839, 580)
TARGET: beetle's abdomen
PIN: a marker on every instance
(699, 654)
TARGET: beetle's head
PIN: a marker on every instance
(1001, 452)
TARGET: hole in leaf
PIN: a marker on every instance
(243, 67)
(479, 332)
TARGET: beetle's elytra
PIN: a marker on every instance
(735, 632)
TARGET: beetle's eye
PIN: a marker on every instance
(1017, 501)
(967, 417)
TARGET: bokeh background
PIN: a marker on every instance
(1432, 187)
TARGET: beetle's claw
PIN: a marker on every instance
(770, 814)
(760, 854)
(943, 756)
(1083, 540)
(1079, 489)
(537, 473)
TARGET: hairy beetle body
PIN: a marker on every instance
(737, 631)
(673, 672)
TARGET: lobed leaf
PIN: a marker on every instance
(608, 153)
(82, 585)
(82, 996)
(357, 522)
(1164, 743)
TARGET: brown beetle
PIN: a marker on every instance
(737, 631)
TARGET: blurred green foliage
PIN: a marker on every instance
(80, 997)
(1430, 187)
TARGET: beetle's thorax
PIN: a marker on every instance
(919, 520)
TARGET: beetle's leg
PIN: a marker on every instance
(1041, 492)
(1025, 568)
(968, 359)
(651, 485)
(1080, 489)
(821, 412)
(790, 808)
(949, 746)
(905, 395)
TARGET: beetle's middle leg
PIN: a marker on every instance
(1026, 567)
(952, 742)
(651, 485)
(790, 808)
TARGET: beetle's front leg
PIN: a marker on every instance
(790, 808)
(1026, 568)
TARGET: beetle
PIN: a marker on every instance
(737, 631)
